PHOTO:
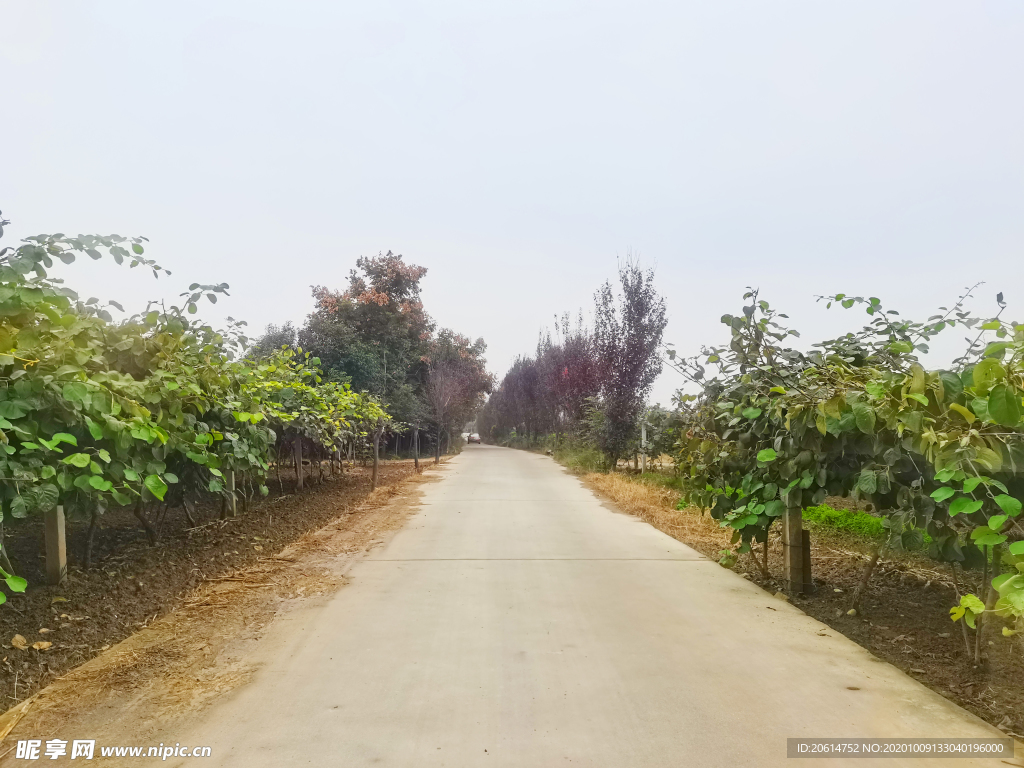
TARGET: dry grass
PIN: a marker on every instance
(656, 505)
(179, 663)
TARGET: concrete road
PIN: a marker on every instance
(518, 620)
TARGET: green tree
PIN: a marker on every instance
(627, 337)
(157, 408)
(374, 334)
(937, 452)
(457, 381)
(274, 338)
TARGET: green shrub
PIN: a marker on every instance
(580, 458)
(860, 523)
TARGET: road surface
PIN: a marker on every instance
(518, 620)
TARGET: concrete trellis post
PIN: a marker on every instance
(643, 446)
(793, 548)
(56, 546)
(806, 562)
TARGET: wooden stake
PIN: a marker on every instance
(56, 546)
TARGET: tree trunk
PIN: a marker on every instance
(416, 448)
(865, 577)
(150, 530)
(4, 560)
(188, 512)
(437, 449)
(160, 517)
(298, 462)
(980, 621)
(376, 456)
(986, 623)
(963, 624)
(89, 538)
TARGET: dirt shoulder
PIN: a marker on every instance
(222, 585)
(904, 615)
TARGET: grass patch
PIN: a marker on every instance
(575, 455)
(661, 480)
(859, 523)
(579, 460)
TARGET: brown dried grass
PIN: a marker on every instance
(180, 662)
(656, 505)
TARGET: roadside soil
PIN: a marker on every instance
(904, 614)
(156, 632)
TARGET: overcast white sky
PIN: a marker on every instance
(516, 149)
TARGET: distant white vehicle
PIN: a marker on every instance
(473, 438)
